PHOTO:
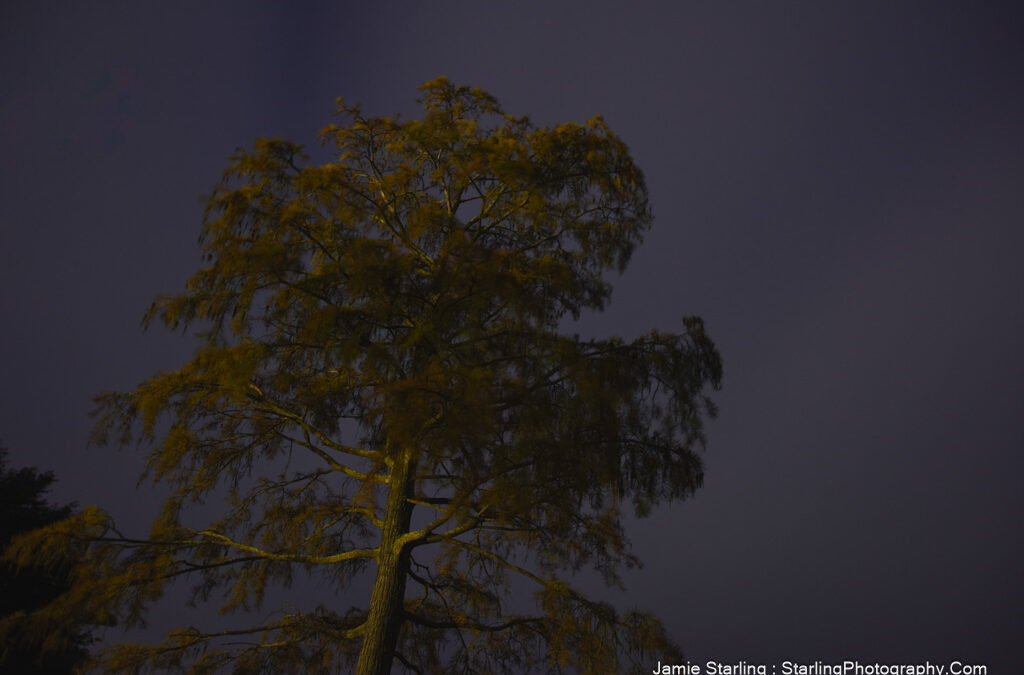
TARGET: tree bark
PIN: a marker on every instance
(387, 601)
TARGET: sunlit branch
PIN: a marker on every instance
(285, 557)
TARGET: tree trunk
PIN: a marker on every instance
(387, 601)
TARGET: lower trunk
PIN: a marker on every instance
(387, 601)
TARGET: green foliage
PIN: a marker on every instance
(382, 331)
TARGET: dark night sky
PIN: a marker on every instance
(838, 190)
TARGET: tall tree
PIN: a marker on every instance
(381, 385)
(23, 508)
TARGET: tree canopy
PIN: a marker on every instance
(382, 388)
(23, 508)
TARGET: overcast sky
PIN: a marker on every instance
(838, 189)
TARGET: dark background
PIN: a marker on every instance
(837, 189)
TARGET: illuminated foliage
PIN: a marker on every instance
(381, 385)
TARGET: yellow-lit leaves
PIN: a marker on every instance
(403, 302)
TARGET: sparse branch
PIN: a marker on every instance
(465, 623)
(268, 406)
(483, 553)
(408, 664)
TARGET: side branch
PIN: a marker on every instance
(274, 408)
(284, 557)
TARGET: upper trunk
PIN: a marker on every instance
(387, 601)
